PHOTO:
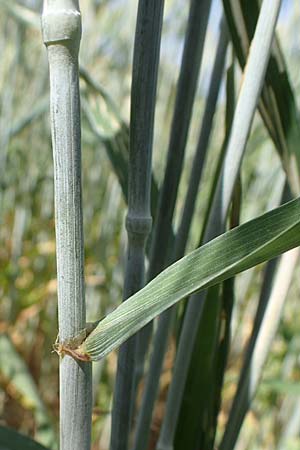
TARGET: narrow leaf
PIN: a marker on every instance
(195, 421)
(239, 249)
(12, 440)
(259, 347)
(277, 105)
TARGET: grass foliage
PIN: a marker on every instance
(218, 365)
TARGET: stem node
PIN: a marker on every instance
(61, 26)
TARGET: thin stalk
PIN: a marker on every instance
(241, 401)
(224, 330)
(139, 221)
(230, 100)
(61, 26)
(242, 121)
(202, 146)
(259, 348)
(187, 85)
(229, 113)
(291, 428)
(161, 336)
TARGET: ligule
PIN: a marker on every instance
(66, 349)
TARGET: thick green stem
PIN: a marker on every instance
(139, 221)
(61, 26)
(186, 90)
(164, 322)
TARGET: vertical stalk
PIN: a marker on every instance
(139, 221)
(245, 392)
(187, 85)
(61, 26)
(243, 116)
(291, 425)
(164, 322)
(259, 348)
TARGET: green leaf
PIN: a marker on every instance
(195, 427)
(277, 106)
(239, 249)
(12, 440)
(197, 422)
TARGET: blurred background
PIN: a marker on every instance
(28, 304)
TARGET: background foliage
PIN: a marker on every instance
(28, 309)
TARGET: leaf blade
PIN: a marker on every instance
(277, 106)
(12, 440)
(239, 249)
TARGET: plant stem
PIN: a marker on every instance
(242, 121)
(245, 391)
(61, 26)
(164, 322)
(259, 347)
(187, 85)
(139, 221)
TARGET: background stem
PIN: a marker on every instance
(241, 126)
(185, 95)
(139, 221)
(160, 340)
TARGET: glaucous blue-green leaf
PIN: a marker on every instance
(239, 249)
